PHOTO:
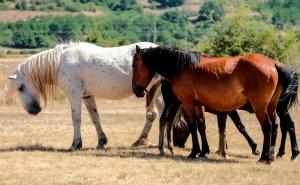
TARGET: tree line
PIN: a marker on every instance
(211, 31)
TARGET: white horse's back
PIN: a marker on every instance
(103, 72)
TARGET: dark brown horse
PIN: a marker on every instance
(220, 84)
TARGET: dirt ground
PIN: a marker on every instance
(33, 151)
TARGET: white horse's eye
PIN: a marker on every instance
(21, 88)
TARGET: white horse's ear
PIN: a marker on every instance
(12, 77)
(138, 49)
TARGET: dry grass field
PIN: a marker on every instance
(16, 15)
(33, 149)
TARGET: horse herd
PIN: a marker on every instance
(182, 85)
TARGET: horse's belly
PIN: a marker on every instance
(223, 103)
(221, 96)
(108, 86)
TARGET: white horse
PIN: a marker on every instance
(83, 71)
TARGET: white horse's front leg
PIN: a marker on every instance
(75, 102)
(92, 109)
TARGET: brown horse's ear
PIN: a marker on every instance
(138, 49)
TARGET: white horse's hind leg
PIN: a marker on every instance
(150, 117)
(93, 112)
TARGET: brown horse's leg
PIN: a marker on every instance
(287, 125)
(171, 113)
(266, 126)
(162, 127)
(283, 129)
(222, 134)
(239, 125)
(189, 109)
(202, 130)
(292, 133)
(272, 115)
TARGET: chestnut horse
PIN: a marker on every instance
(173, 114)
(220, 84)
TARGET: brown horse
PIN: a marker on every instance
(220, 84)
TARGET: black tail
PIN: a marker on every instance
(289, 96)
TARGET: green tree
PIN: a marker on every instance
(122, 5)
(170, 3)
(22, 5)
(211, 11)
(241, 35)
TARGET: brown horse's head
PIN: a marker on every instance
(141, 74)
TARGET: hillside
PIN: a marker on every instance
(32, 9)
(196, 24)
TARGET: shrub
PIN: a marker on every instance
(241, 35)
(211, 11)
(170, 3)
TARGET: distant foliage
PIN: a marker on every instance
(172, 28)
(21, 5)
(242, 35)
(122, 5)
(170, 3)
(211, 11)
(284, 13)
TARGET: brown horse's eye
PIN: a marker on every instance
(21, 88)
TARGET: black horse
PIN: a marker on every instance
(181, 130)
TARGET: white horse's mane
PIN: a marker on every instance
(41, 69)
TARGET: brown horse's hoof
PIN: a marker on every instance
(265, 161)
(100, 147)
(280, 154)
(294, 156)
(255, 152)
(161, 153)
(191, 156)
(171, 150)
(203, 155)
(222, 154)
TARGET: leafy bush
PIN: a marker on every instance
(122, 5)
(170, 3)
(21, 5)
(241, 35)
(211, 11)
(284, 13)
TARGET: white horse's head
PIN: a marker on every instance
(35, 78)
(28, 94)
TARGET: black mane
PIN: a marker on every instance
(169, 62)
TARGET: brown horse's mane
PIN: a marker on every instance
(169, 62)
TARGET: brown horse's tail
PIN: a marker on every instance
(288, 77)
